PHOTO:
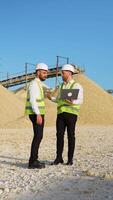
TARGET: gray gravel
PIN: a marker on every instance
(90, 178)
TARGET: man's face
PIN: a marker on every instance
(42, 74)
(65, 75)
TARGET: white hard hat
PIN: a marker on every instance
(68, 67)
(42, 66)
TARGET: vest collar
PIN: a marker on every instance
(37, 79)
(69, 82)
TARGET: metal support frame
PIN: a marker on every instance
(26, 72)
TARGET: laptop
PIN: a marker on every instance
(69, 94)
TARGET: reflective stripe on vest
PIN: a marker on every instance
(40, 101)
(64, 106)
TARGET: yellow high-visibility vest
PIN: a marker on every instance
(39, 100)
(63, 106)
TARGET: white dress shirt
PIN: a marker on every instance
(34, 91)
(79, 100)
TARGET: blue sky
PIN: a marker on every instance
(37, 31)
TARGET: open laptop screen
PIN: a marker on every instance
(69, 94)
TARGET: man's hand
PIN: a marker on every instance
(48, 95)
(69, 101)
(39, 119)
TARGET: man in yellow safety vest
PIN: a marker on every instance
(67, 112)
(35, 108)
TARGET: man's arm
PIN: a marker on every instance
(79, 100)
(34, 92)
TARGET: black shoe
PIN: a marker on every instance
(57, 161)
(42, 163)
(69, 162)
(36, 164)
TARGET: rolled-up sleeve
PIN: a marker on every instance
(79, 100)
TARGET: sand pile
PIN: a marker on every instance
(96, 109)
(21, 93)
(98, 104)
(11, 108)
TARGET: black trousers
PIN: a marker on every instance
(65, 120)
(38, 135)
